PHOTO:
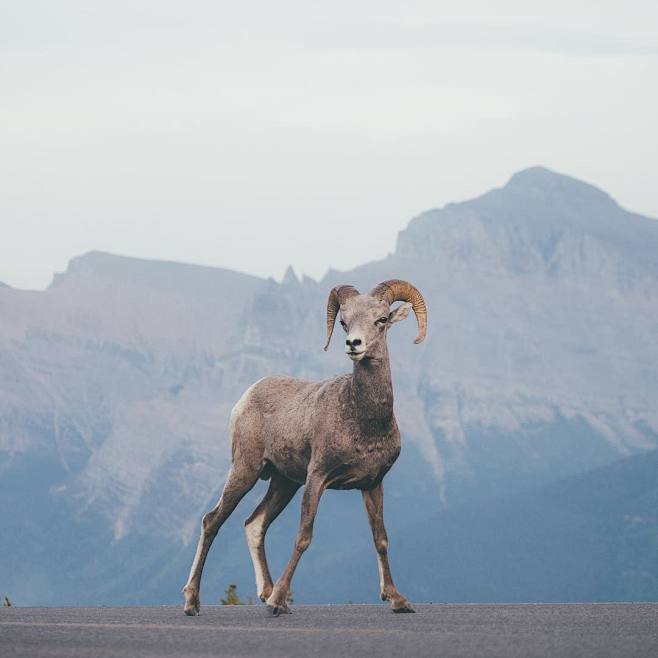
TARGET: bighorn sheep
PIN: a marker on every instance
(336, 434)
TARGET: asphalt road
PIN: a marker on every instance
(526, 631)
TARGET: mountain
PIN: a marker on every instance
(117, 381)
(541, 356)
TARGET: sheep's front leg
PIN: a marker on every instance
(277, 603)
(374, 501)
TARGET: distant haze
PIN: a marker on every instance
(255, 135)
(540, 363)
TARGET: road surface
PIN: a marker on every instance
(509, 631)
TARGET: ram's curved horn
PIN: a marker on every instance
(396, 290)
(336, 297)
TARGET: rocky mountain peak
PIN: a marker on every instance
(538, 193)
(539, 221)
(550, 184)
(290, 278)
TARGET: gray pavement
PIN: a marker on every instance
(524, 631)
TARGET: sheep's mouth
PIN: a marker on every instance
(356, 356)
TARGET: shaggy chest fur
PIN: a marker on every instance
(362, 455)
(378, 457)
(350, 458)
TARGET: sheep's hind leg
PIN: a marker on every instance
(374, 501)
(279, 494)
(277, 601)
(240, 481)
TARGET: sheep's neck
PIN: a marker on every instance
(372, 392)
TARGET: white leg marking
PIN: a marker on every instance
(381, 573)
(254, 533)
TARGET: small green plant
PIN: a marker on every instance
(232, 597)
(6, 603)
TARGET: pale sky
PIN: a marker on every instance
(253, 135)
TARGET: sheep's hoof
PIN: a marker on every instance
(265, 594)
(192, 603)
(192, 608)
(276, 610)
(404, 608)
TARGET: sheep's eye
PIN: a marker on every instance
(343, 325)
(383, 320)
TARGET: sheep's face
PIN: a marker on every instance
(366, 320)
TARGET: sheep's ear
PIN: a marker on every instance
(399, 313)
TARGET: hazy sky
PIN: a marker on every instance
(251, 135)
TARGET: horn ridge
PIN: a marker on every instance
(397, 290)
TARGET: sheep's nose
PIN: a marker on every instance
(353, 343)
